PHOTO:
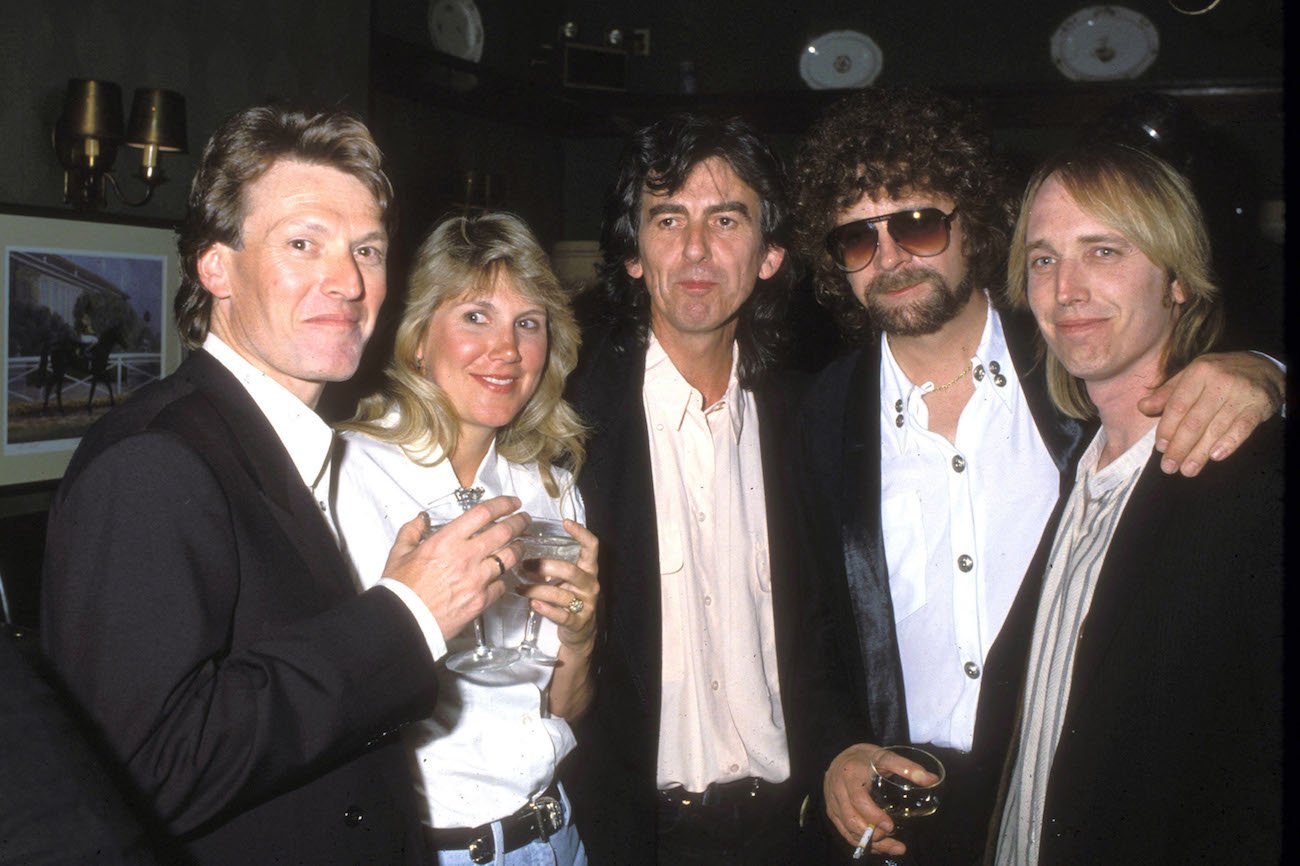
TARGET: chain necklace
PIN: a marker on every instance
(953, 381)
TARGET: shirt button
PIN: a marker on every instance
(898, 422)
(898, 405)
(353, 816)
(708, 600)
(700, 517)
(995, 367)
(999, 380)
(972, 670)
(965, 563)
(714, 685)
(958, 463)
(735, 768)
(659, 427)
(979, 373)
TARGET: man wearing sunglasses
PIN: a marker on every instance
(931, 459)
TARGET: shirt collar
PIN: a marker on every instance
(992, 372)
(674, 397)
(304, 435)
(436, 488)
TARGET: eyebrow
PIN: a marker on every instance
(668, 207)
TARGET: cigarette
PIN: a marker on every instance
(864, 842)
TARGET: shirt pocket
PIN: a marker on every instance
(905, 552)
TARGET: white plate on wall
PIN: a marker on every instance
(456, 28)
(1105, 43)
(839, 60)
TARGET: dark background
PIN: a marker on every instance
(549, 150)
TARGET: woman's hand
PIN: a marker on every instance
(568, 597)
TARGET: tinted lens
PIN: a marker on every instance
(921, 232)
(853, 245)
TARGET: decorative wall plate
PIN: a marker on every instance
(840, 59)
(1105, 43)
(456, 28)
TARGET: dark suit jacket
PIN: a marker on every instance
(612, 774)
(1171, 745)
(58, 803)
(838, 468)
(196, 605)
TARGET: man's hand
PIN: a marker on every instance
(457, 570)
(847, 786)
(1209, 408)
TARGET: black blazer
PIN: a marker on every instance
(611, 775)
(196, 605)
(838, 469)
(1171, 745)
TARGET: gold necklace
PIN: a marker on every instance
(954, 380)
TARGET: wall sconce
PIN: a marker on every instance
(88, 132)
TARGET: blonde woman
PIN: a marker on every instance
(473, 401)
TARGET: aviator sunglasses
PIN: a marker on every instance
(921, 232)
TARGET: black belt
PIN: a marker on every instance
(542, 818)
(742, 793)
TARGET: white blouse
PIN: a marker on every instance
(488, 747)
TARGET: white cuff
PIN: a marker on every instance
(423, 616)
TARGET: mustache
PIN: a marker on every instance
(895, 280)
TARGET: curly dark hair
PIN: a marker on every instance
(660, 158)
(899, 140)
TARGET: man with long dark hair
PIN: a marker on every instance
(689, 755)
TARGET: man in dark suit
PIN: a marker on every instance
(1152, 700)
(690, 752)
(196, 604)
(931, 458)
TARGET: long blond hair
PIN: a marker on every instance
(463, 257)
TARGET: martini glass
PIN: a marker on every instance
(543, 539)
(483, 657)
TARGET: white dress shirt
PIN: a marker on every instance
(721, 717)
(961, 523)
(1087, 526)
(489, 745)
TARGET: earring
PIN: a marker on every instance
(419, 364)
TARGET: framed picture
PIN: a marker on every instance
(86, 319)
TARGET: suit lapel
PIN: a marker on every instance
(1061, 434)
(259, 450)
(864, 550)
(1121, 578)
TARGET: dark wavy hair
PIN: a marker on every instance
(659, 158)
(243, 149)
(896, 141)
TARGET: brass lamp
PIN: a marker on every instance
(87, 134)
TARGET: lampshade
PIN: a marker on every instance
(158, 119)
(92, 109)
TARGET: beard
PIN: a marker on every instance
(924, 316)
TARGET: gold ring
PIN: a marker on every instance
(500, 564)
(576, 605)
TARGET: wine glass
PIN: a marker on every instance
(543, 539)
(484, 656)
(900, 790)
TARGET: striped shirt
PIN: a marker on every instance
(1092, 513)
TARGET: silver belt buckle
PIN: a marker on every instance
(548, 812)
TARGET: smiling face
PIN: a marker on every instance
(1106, 310)
(908, 295)
(701, 251)
(487, 352)
(298, 299)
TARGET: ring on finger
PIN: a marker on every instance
(501, 565)
(576, 605)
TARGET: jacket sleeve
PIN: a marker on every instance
(217, 670)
